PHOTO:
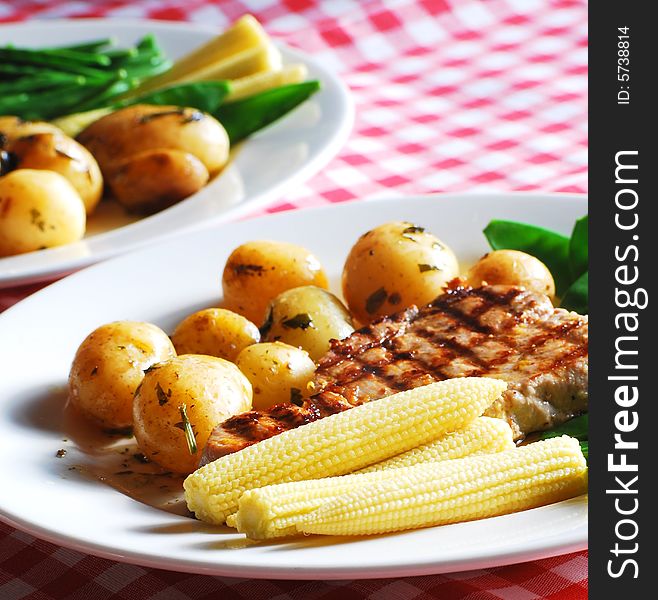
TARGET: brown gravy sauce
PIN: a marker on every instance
(115, 460)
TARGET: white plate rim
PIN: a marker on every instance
(516, 554)
(12, 275)
(575, 541)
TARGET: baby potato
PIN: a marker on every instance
(394, 266)
(277, 372)
(215, 332)
(12, 128)
(108, 367)
(59, 153)
(38, 209)
(308, 317)
(512, 267)
(258, 271)
(200, 390)
(155, 179)
(142, 127)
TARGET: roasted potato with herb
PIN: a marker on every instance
(108, 367)
(153, 156)
(178, 404)
(277, 372)
(143, 127)
(215, 332)
(12, 128)
(394, 266)
(59, 153)
(38, 210)
(512, 267)
(155, 179)
(307, 317)
(258, 271)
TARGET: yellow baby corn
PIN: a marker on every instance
(340, 443)
(244, 34)
(457, 490)
(484, 435)
(272, 511)
(265, 80)
(264, 57)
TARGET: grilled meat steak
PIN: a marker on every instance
(499, 331)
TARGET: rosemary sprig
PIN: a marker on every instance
(186, 426)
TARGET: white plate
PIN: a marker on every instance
(39, 336)
(263, 168)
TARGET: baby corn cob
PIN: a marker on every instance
(265, 80)
(340, 443)
(457, 490)
(244, 34)
(273, 510)
(73, 124)
(247, 62)
(484, 435)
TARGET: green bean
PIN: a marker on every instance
(121, 53)
(92, 46)
(148, 42)
(139, 61)
(143, 71)
(34, 58)
(85, 58)
(136, 57)
(11, 69)
(50, 82)
(57, 58)
(17, 71)
(25, 100)
(104, 97)
(11, 99)
(46, 105)
(39, 82)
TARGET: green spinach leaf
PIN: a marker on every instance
(578, 427)
(578, 247)
(244, 117)
(206, 96)
(576, 297)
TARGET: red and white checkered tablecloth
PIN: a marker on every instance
(451, 95)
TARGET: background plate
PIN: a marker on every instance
(39, 336)
(262, 167)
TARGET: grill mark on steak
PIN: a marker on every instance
(500, 331)
(391, 381)
(245, 424)
(494, 299)
(468, 320)
(369, 337)
(566, 358)
(452, 346)
(552, 333)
